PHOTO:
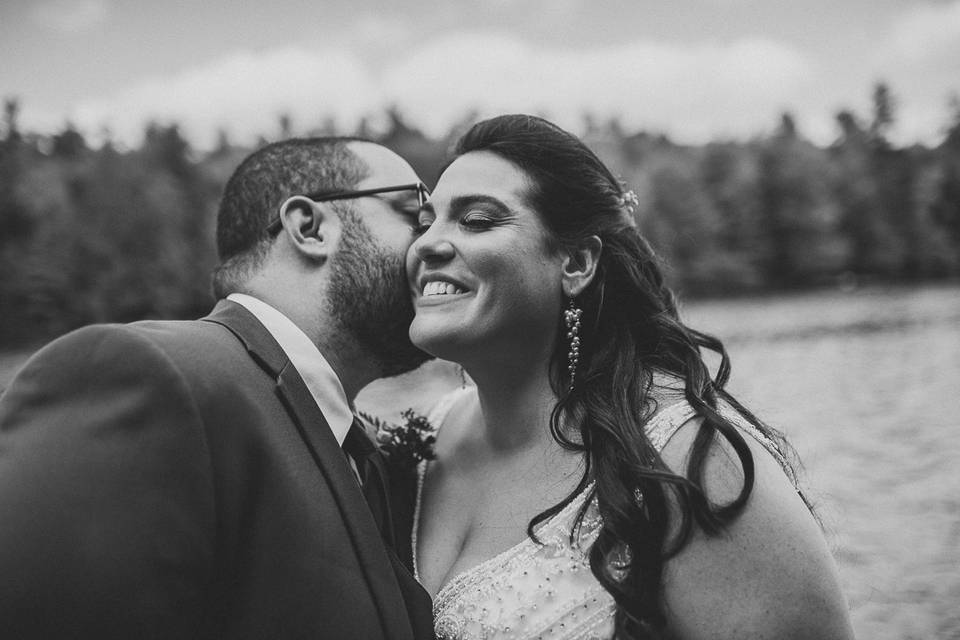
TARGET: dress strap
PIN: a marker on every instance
(743, 424)
(435, 417)
(439, 412)
(667, 422)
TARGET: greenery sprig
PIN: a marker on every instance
(405, 445)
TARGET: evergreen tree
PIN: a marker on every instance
(883, 114)
(69, 143)
(11, 111)
(799, 219)
(730, 176)
(946, 205)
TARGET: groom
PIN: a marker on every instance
(186, 479)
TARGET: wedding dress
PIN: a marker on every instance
(544, 590)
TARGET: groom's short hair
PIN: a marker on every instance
(260, 184)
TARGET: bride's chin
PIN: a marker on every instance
(445, 345)
(435, 347)
(424, 340)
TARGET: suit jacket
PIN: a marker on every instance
(177, 480)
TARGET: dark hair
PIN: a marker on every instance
(257, 188)
(631, 328)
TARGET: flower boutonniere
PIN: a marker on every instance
(405, 445)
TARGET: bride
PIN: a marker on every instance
(596, 482)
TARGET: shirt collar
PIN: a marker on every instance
(319, 376)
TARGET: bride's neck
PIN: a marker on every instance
(516, 408)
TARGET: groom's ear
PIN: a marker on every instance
(580, 265)
(310, 226)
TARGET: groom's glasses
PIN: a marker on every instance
(421, 190)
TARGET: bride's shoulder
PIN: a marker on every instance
(772, 563)
(771, 569)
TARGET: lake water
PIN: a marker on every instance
(866, 385)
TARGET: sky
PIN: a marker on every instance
(695, 70)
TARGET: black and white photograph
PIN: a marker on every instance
(480, 320)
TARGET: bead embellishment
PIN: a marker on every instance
(571, 318)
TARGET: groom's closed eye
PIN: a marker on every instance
(425, 218)
(409, 208)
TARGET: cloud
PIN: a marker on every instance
(920, 61)
(733, 3)
(928, 31)
(542, 7)
(692, 92)
(70, 16)
(244, 93)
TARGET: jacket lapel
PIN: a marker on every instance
(319, 439)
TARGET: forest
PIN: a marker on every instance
(106, 233)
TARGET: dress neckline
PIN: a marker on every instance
(499, 557)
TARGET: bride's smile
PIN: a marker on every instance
(439, 289)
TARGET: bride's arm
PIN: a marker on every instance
(770, 575)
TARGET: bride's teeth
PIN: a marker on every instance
(438, 288)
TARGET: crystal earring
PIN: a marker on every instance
(571, 318)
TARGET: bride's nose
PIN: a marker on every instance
(432, 246)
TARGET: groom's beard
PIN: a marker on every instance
(370, 299)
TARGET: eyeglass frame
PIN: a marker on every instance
(319, 196)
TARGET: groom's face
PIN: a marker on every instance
(368, 291)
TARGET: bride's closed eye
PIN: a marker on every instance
(407, 207)
(476, 220)
(471, 219)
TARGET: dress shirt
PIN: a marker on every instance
(319, 376)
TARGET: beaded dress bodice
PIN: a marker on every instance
(535, 590)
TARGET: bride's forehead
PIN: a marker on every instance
(482, 173)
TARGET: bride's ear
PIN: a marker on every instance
(580, 265)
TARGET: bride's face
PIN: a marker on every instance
(485, 278)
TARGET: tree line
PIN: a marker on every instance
(109, 234)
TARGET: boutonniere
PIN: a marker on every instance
(405, 445)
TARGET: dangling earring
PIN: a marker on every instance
(571, 318)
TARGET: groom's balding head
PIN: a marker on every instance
(261, 183)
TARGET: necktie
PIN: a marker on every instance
(359, 447)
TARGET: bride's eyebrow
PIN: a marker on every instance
(462, 202)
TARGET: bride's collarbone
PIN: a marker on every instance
(472, 499)
(483, 481)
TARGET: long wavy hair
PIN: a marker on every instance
(631, 328)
